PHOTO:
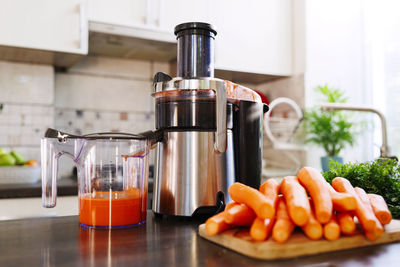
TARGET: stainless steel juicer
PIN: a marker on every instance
(211, 130)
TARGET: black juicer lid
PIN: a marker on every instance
(190, 28)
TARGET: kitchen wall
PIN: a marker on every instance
(97, 94)
(26, 106)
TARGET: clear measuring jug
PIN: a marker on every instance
(112, 175)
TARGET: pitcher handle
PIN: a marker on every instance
(49, 159)
(51, 150)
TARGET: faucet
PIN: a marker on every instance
(384, 150)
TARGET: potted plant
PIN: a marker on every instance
(332, 130)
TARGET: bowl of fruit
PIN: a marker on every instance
(14, 168)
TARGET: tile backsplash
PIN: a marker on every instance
(81, 91)
(26, 83)
(22, 126)
(26, 106)
(77, 121)
(105, 94)
(98, 94)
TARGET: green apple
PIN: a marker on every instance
(7, 160)
(3, 151)
(19, 158)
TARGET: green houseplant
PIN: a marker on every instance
(332, 130)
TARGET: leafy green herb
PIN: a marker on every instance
(381, 176)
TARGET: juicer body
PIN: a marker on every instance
(212, 131)
(191, 176)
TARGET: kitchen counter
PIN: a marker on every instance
(161, 241)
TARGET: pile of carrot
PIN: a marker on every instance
(306, 201)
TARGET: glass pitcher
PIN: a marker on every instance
(112, 176)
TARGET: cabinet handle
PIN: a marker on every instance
(148, 12)
(152, 18)
(161, 8)
(82, 27)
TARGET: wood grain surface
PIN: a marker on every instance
(298, 244)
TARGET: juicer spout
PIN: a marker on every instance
(61, 136)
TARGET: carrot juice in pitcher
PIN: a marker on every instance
(112, 172)
(111, 209)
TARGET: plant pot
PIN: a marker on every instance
(325, 161)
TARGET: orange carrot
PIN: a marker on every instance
(216, 224)
(239, 214)
(380, 208)
(283, 226)
(296, 199)
(374, 233)
(253, 198)
(365, 215)
(342, 201)
(346, 222)
(230, 204)
(315, 184)
(332, 229)
(261, 228)
(270, 189)
(313, 228)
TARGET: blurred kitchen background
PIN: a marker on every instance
(84, 66)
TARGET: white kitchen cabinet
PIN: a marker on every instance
(150, 14)
(119, 12)
(253, 36)
(49, 25)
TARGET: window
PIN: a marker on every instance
(382, 42)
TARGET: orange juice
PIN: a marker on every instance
(109, 209)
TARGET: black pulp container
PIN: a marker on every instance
(248, 142)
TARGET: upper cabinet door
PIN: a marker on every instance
(53, 25)
(120, 12)
(253, 36)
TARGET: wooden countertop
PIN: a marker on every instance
(165, 241)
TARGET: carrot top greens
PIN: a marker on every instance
(381, 176)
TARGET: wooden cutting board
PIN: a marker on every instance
(298, 244)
